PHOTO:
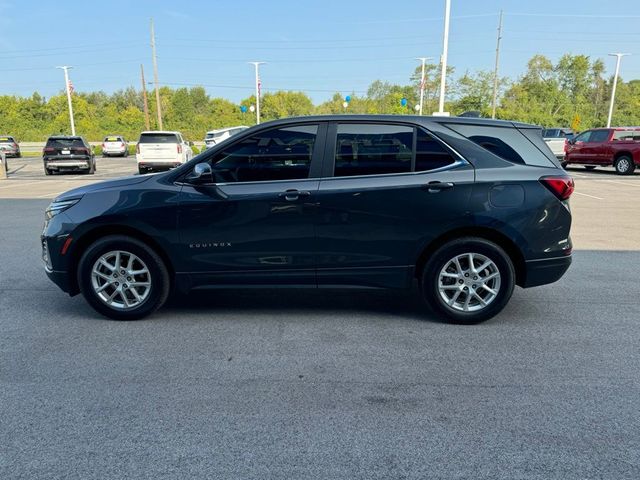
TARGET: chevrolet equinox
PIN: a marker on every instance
(465, 207)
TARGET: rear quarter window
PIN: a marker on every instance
(522, 146)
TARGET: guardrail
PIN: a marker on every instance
(30, 147)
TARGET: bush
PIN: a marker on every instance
(97, 150)
(196, 150)
(132, 148)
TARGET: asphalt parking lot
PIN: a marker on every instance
(323, 384)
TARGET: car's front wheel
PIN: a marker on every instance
(468, 280)
(122, 278)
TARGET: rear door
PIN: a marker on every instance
(387, 190)
(159, 147)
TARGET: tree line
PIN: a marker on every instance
(573, 92)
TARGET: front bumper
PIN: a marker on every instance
(545, 271)
(61, 279)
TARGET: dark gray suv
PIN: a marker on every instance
(467, 208)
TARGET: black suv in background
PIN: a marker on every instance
(466, 207)
(68, 153)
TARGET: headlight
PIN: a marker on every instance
(57, 207)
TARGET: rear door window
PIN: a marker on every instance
(584, 137)
(373, 149)
(158, 138)
(525, 147)
(599, 136)
(430, 154)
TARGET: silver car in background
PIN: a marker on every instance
(214, 137)
(9, 146)
(115, 145)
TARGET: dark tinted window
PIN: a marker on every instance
(551, 133)
(65, 142)
(367, 149)
(430, 154)
(508, 143)
(584, 137)
(279, 154)
(159, 138)
(599, 136)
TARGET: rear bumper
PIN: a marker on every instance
(545, 271)
(67, 162)
(159, 165)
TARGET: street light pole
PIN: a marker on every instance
(615, 83)
(445, 48)
(495, 70)
(256, 65)
(155, 76)
(66, 68)
(423, 60)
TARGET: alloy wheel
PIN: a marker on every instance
(121, 280)
(469, 282)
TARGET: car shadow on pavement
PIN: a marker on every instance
(402, 304)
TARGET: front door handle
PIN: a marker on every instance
(435, 187)
(292, 195)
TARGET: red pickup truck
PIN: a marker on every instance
(602, 147)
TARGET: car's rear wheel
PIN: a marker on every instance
(47, 171)
(122, 278)
(468, 280)
(624, 165)
(92, 168)
(590, 167)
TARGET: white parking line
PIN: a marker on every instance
(587, 195)
(623, 183)
(17, 183)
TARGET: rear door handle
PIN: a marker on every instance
(292, 195)
(436, 186)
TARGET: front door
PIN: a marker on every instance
(388, 191)
(255, 224)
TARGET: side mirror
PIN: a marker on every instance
(201, 173)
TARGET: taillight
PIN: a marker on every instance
(566, 145)
(49, 150)
(15, 145)
(81, 150)
(103, 145)
(137, 148)
(561, 187)
(122, 144)
(179, 148)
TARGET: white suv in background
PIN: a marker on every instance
(161, 151)
(114, 145)
(214, 137)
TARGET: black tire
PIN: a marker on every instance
(564, 164)
(590, 167)
(160, 281)
(47, 171)
(92, 168)
(142, 171)
(624, 165)
(429, 280)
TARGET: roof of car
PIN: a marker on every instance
(161, 131)
(402, 118)
(54, 137)
(227, 128)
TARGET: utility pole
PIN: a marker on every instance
(66, 84)
(443, 62)
(258, 85)
(615, 83)
(155, 76)
(495, 70)
(423, 60)
(147, 124)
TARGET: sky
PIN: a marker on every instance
(319, 47)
